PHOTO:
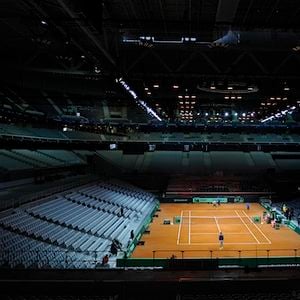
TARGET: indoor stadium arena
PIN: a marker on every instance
(150, 149)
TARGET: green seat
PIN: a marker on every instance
(176, 220)
(256, 219)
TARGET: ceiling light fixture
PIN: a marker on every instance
(138, 101)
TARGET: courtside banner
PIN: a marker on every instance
(210, 200)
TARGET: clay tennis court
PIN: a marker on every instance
(196, 236)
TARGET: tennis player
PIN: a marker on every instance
(221, 240)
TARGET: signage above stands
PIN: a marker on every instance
(209, 200)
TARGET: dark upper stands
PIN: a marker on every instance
(215, 184)
(201, 136)
(16, 159)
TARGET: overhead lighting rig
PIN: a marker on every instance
(232, 88)
(151, 40)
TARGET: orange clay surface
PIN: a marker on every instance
(197, 234)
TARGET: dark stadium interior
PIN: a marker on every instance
(130, 127)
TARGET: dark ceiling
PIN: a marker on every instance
(171, 52)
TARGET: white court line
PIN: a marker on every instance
(213, 209)
(189, 227)
(212, 217)
(199, 244)
(218, 226)
(216, 233)
(179, 229)
(196, 233)
(257, 228)
(248, 228)
(200, 225)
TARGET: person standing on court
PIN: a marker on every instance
(221, 240)
(248, 206)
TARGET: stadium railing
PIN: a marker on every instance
(229, 258)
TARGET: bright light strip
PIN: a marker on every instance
(140, 102)
(278, 115)
(154, 40)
